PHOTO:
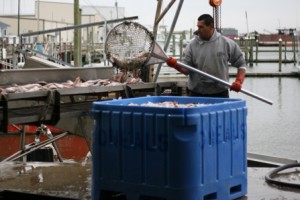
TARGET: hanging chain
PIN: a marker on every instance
(220, 19)
(214, 14)
(216, 4)
(217, 17)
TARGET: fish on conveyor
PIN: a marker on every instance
(119, 79)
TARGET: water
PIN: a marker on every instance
(287, 53)
(273, 130)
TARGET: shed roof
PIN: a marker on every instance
(3, 25)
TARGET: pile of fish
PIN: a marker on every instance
(118, 79)
(169, 104)
(134, 63)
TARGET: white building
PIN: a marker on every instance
(56, 16)
(51, 15)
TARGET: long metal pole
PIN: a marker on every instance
(34, 147)
(162, 55)
(147, 73)
(223, 82)
(79, 26)
(169, 36)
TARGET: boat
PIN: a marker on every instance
(10, 143)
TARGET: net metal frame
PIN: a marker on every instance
(129, 45)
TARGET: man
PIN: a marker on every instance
(210, 52)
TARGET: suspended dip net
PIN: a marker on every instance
(129, 45)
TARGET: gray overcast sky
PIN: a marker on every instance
(262, 15)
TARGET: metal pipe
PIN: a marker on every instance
(223, 82)
(158, 18)
(22, 140)
(30, 149)
(162, 56)
(158, 10)
(77, 26)
(55, 59)
(169, 36)
(55, 147)
(147, 73)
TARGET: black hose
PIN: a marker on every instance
(270, 175)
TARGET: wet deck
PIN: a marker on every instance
(73, 181)
(68, 180)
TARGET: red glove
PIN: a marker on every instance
(172, 62)
(237, 84)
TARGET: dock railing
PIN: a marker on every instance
(277, 51)
(255, 51)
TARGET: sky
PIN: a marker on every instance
(264, 16)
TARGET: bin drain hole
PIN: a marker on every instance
(112, 195)
(210, 196)
(151, 198)
(235, 189)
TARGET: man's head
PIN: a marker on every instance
(205, 26)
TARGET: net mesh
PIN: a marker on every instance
(129, 45)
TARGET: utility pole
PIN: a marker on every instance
(18, 17)
(247, 23)
(116, 4)
(77, 35)
(39, 37)
(38, 15)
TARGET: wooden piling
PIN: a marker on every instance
(256, 51)
(294, 50)
(280, 53)
(251, 52)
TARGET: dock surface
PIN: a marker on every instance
(73, 181)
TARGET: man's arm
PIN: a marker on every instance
(239, 80)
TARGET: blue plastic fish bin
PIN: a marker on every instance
(161, 153)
